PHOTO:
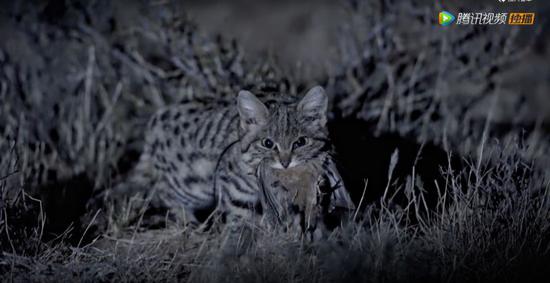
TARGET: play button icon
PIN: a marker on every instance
(446, 18)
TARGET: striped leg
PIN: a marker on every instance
(241, 218)
(340, 197)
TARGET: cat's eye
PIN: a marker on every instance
(267, 143)
(301, 141)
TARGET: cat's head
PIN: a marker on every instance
(283, 135)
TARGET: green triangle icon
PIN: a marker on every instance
(446, 18)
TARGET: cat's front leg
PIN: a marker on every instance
(332, 183)
(239, 233)
(242, 221)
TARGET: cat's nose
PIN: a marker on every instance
(285, 163)
(285, 160)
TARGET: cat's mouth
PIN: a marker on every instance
(279, 165)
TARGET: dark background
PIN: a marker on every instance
(305, 35)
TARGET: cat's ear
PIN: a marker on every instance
(314, 105)
(252, 112)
